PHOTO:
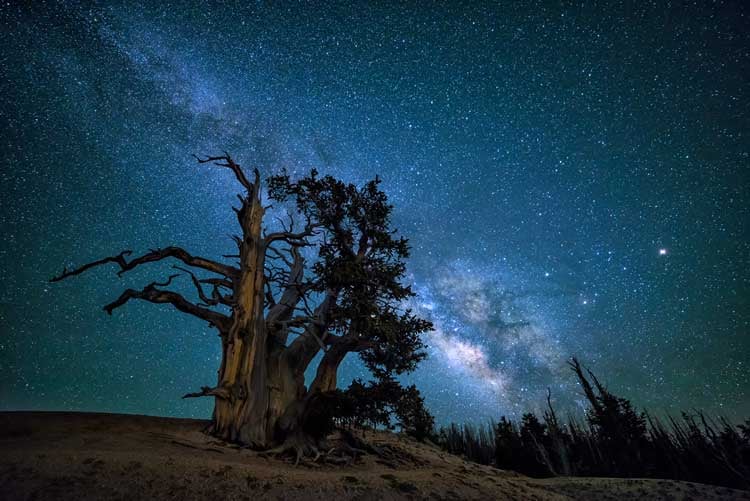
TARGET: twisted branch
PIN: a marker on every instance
(236, 169)
(216, 297)
(207, 391)
(152, 294)
(150, 257)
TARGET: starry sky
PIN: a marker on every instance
(573, 180)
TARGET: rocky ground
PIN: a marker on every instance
(51, 455)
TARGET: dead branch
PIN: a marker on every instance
(293, 291)
(295, 239)
(587, 389)
(235, 168)
(152, 294)
(207, 391)
(150, 257)
(216, 297)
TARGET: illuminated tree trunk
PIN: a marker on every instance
(260, 378)
(255, 383)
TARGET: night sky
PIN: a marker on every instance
(573, 181)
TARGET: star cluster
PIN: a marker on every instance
(573, 181)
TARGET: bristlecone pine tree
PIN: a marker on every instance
(275, 312)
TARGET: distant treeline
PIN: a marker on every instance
(612, 440)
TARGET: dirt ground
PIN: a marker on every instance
(53, 455)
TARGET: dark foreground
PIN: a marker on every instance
(51, 455)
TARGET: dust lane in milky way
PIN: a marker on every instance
(573, 181)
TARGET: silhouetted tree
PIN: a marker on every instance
(508, 445)
(558, 441)
(615, 440)
(385, 403)
(371, 405)
(620, 429)
(275, 312)
(413, 417)
(535, 442)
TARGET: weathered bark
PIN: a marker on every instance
(244, 370)
(255, 372)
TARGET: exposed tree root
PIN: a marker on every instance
(304, 448)
(344, 450)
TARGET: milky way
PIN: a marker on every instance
(573, 181)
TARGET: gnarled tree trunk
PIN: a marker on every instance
(260, 380)
(255, 384)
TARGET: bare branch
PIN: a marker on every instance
(152, 294)
(277, 254)
(587, 389)
(215, 299)
(303, 349)
(293, 291)
(229, 163)
(207, 391)
(119, 259)
(198, 287)
(152, 256)
(294, 238)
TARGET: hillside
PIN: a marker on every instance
(51, 455)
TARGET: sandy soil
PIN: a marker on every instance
(50, 455)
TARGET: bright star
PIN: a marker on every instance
(662, 252)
